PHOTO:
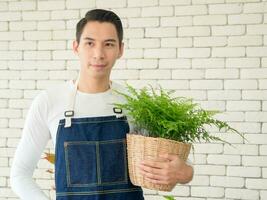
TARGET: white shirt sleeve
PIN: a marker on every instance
(34, 139)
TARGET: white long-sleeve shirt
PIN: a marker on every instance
(41, 125)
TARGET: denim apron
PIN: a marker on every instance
(91, 159)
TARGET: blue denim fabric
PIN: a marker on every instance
(91, 160)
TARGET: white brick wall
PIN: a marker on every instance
(214, 51)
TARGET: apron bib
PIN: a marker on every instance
(91, 158)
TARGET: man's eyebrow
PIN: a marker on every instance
(107, 40)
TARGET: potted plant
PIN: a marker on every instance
(164, 124)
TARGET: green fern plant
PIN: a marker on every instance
(161, 115)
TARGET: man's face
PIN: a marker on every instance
(98, 49)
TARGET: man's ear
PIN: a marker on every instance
(75, 46)
(121, 50)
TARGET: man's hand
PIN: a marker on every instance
(167, 169)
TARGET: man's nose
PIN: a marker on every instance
(98, 52)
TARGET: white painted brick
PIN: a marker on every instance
(3, 162)
(265, 40)
(208, 63)
(21, 65)
(37, 35)
(64, 55)
(141, 83)
(51, 45)
(34, 75)
(264, 62)
(223, 181)
(71, 24)
(51, 25)
(134, 33)
(222, 73)
(255, 7)
(191, 10)
(263, 194)
(224, 94)
(10, 94)
(187, 74)
(32, 16)
(22, 26)
(65, 75)
(10, 74)
(247, 127)
(212, 105)
(256, 138)
(22, 45)
(174, 84)
(240, 84)
(144, 22)
(256, 51)
(201, 191)
(206, 84)
(21, 84)
(16, 123)
(128, 12)
(210, 20)
(37, 55)
(3, 83)
(140, 3)
(3, 45)
(228, 30)
(243, 171)
(51, 5)
(209, 170)
(193, 52)
(243, 105)
(3, 6)
(264, 105)
(194, 31)
(256, 116)
(176, 42)
(264, 127)
(206, 1)
(160, 32)
(19, 103)
(241, 149)
(197, 159)
(10, 16)
(11, 133)
(224, 159)
(155, 74)
(64, 14)
(26, 5)
(45, 84)
(157, 11)
(253, 73)
(78, 4)
(3, 103)
(3, 124)
(262, 84)
(133, 53)
(160, 53)
(207, 148)
(3, 26)
(228, 52)
(174, 63)
(64, 35)
(245, 19)
(199, 181)
(11, 55)
(124, 74)
(242, 62)
(225, 8)
(209, 41)
(174, 2)
(256, 184)
(257, 161)
(9, 113)
(264, 172)
(241, 194)
(144, 43)
(142, 63)
(176, 21)
(245, 41)
(11, 36)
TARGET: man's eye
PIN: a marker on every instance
(90, 43)
(109, 44)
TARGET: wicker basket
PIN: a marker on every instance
(140, 147)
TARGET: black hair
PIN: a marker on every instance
(100, 15)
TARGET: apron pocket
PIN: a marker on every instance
(113, 163)
(81, 165)
(96, 163)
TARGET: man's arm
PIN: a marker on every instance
(35, 136)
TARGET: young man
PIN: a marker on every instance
(88, 133)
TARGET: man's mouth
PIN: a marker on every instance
(98, 65)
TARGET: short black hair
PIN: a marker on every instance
(100, 15)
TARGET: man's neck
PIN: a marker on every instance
(87, 85)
